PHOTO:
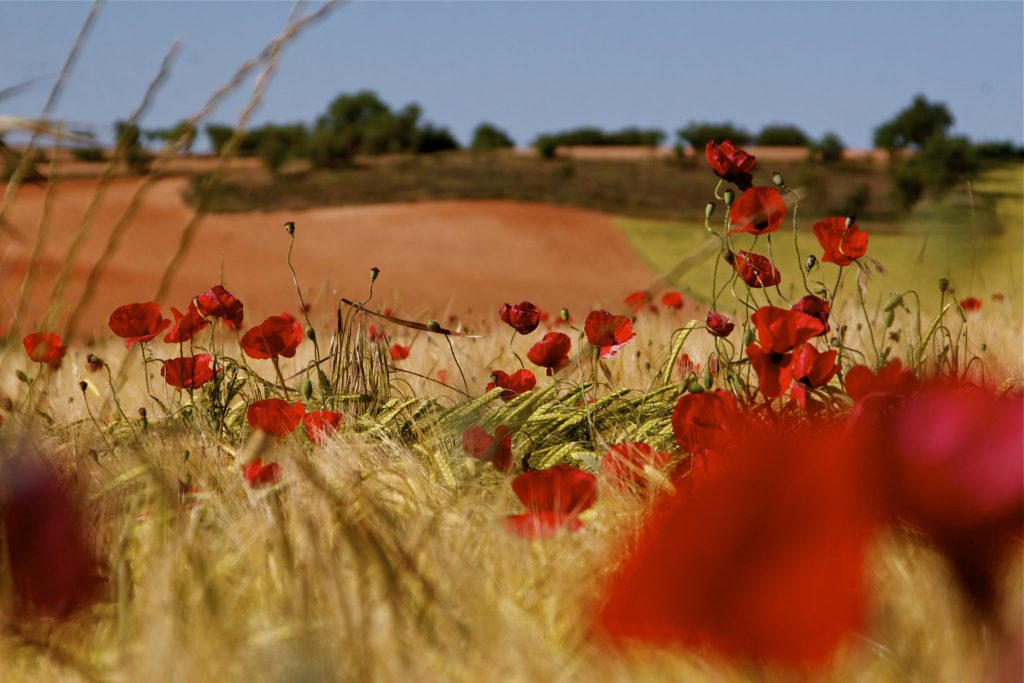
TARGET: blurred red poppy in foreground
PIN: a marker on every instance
(497, 449)
(44, 347)
(275, 416)
(551, 352)
(756, 270)
(52, 568)
(186, 324)
(138, 322)
(278, 335)
(218, 302)
(971, 304)
(321, 425)
(730, 163)
(624, 463)
(260, 475)
(637, 300)
(608, 332)
(518, 382)
(759, 210)
(672, 300)
(523, 317)
(843, 244)
(719, 324)
(891, 381)
(764, 558)
(399, 352)
(554, 498)
(189, 372)
(704, 422)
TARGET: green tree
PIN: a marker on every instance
(914, 125)
(697, 134)
(781, 135)
(488, 137)
(830, 149)
(129, 146)
(218, 134)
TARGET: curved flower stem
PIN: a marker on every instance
(280, 377)
(465, 384)
(302, 302)
(796, 243)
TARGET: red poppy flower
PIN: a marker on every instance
(891, 380)
(442, 376)
(637, 300)
(774, 371)
(554, 498)
(811, 369)
(672, 300)
(399, 352)
(756, 270)
(719, 324)
(517, 383)
(773, 569)
(375, 332)
(959, 475)
(274, 416)
(218, 302)
(44, 347)
(624, 463)
(704, 422)
(186, 324)
(278, 335)
(321, 424)
(497, 449)
(730, 163)
(188, 372)
(260, 475)
(51, 568)
(815, 307)
(551, 352)
(138, 322)
(608, 332)
(686, 365)
(780, 330)
(523, 318)
(843, 245)
(970, 304)
(759, 210)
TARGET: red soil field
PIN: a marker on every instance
(462, 257)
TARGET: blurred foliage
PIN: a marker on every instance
(697, 134)
(782, 135)
(488, 137)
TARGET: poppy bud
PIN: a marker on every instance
(748, 336)
(6, 404)
(325, 383)
(983, 346)
(850, 220)
(888, 317)
(778, 180)
(812, 261)
(693, 385)
(289, 228)
(374, 272)
(709, 210)
(22, 377)
(834, 341)
(307, 389)
(310, 333)
(728, 256)
(706, 379)
(943, 284)
(83, 385)
(564, 315)
(94, 361)
(729, 196)
(894, 301)
(434, 326)
(142, 415)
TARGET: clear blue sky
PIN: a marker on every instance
(539, 66)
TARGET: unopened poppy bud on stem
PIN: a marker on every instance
(812, 261)
(564, 315)
(729, 196)
(434, 325)
(289, 228)
(83, 385)
(709, 210)
(307, 389)
(778, 180)
(943, 284)
(22, 377)
(374, 272)
(310, 333)
(850, 220)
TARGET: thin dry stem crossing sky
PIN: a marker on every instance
(532, 67)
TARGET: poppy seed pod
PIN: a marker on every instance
(729, 196)
(778, 180)
(709, 210)
(289, 228)
(943, 284)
